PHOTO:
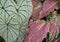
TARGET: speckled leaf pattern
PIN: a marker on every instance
(14, 16)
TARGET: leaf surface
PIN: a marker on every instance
(14, 16)
(48, 6)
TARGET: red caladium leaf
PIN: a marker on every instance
(37, 31)
(48, 6)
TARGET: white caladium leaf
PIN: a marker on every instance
(14, 16)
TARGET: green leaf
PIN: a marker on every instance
(14, 19)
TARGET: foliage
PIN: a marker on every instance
(14, 16)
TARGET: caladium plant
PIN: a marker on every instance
(17, 19)
(54, 27)
(14, 16)
(39, 14)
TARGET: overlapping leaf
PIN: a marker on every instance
(48, 6)
(37, 31)
(14, 17)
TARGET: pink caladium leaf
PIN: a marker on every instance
(35, 2)
(37, 31)
(37, 8)
(35, 14)
(54, 30)
(54, 26)
(48, 6)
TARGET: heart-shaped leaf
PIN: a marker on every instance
(37, 31)
(14, 18)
